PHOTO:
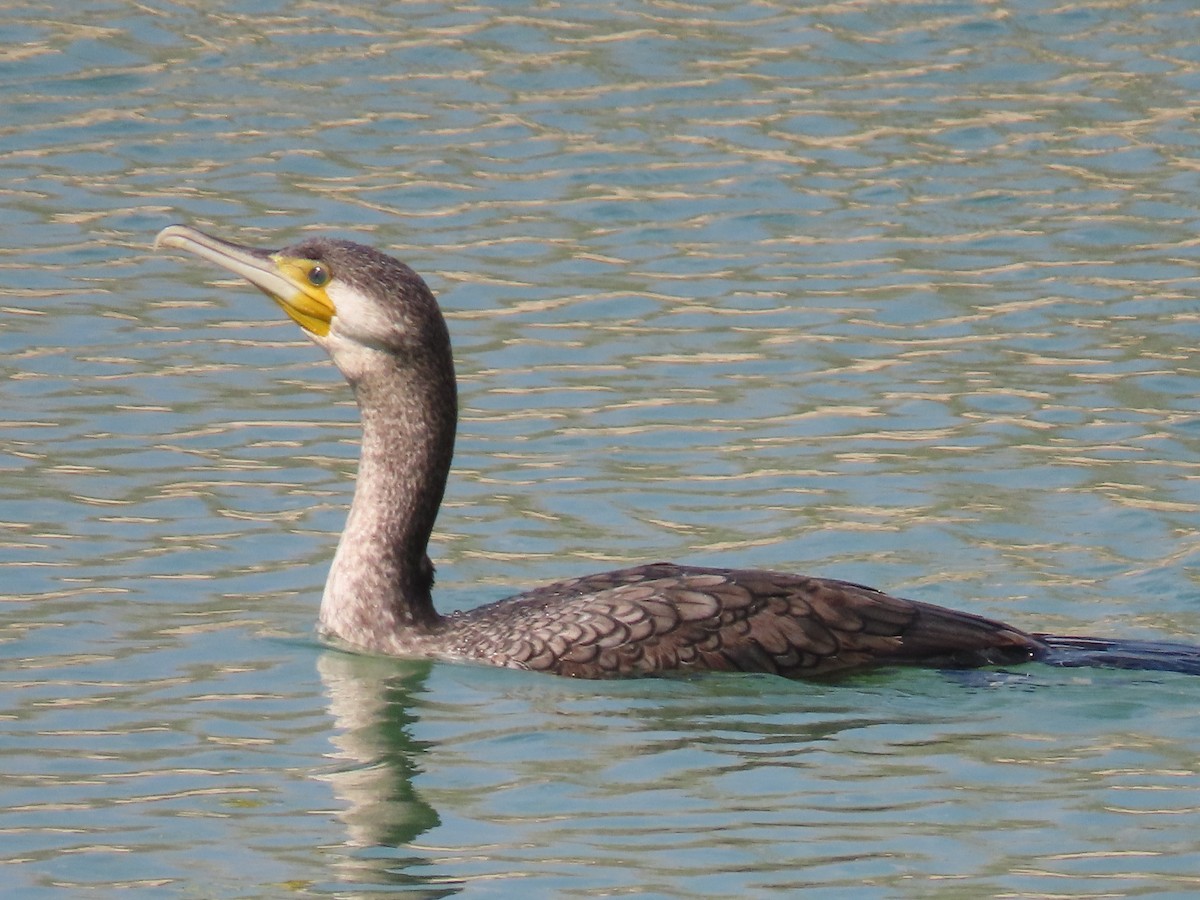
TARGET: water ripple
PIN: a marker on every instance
(900, 292)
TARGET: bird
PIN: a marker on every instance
(381, 326)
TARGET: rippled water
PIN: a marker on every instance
(901, 292)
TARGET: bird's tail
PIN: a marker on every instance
(1147, 656)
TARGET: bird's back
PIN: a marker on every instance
(662, 618)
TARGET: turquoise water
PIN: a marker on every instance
(899, 292)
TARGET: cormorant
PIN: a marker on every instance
(382, 327)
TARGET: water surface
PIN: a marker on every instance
(897, 292)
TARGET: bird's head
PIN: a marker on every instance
(352, 300)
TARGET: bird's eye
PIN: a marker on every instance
(318, 276)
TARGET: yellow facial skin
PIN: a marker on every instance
(309, 305)
(299, 286)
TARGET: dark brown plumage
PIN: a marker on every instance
(381, 326)
(663, 617)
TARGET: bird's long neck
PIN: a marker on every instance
(378, 591)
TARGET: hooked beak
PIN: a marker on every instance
(279, 277)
